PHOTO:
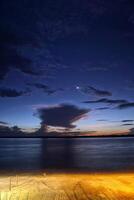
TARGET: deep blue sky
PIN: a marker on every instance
(72, 60)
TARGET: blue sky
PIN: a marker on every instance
(67, 53)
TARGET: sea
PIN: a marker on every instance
(67, 154)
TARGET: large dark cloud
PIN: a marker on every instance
(8, 92)
(63, 115)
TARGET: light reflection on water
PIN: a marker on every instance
(92, 154)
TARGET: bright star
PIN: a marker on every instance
(77, 87)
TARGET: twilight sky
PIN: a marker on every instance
(67, 65)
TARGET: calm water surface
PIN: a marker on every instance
(92, 154)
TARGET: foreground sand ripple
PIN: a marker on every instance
(67, 187)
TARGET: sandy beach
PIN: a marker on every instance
(70, 186)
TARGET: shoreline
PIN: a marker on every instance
(66, 172)
(67, 137)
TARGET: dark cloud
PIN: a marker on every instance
(9, 131)
(63, 115)
(94, 91)
(102, 108)
(127, 124)
(12, 131)
(24, 52)
(45, 88)
(109, 101)
(126, 105)
(39, 86)
(102, 120)
(127, 120)
(131, 131)
(119, 103)
(4, 129)
(100, 92)
(12, 59)
(3, 123)
(8, 92)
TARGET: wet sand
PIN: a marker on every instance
(70, 186)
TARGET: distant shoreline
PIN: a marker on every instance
(68, 137)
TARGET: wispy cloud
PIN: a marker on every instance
(118, 103)
(108, 101)
(99, 92)
(4, 123)
(45, 88)
(127, 124)
(94, 91)
(103, 120)
(8, 92)
(102, 108)
(127, 120)
(126, 105)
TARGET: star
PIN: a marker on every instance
(77, 87)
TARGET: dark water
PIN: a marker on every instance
(92, 154)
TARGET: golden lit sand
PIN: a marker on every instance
(67, 187)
